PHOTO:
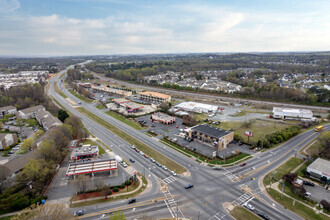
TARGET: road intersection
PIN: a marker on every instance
(212, 188)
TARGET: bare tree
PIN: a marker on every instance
(99, 183)
(82, 183)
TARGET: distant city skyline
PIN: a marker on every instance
(105, 27)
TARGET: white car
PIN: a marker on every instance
(173, 173)
(307, 194)
(141, 153)
(249, 206)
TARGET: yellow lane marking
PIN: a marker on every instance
(260, 168)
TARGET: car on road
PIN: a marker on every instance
(173, 173)
(141, 153)
(216, 168)
(79, 102)
(132, 160)
(242, 164)
(132, 201)
(308, 183)
(79, 213)
(164, 168)
(263, 215)
(152, 160)
(123, 164)
(137, 150)
(249, 206)
(133, 147)
(307, 194)
(189, 186)
(158, 164)
(146, 156)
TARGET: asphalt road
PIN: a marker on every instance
(211, 187)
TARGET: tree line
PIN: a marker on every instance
(39, 172)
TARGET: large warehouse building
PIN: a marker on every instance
(196, 107)
(213, 135)
(290, 113)
(320, 169)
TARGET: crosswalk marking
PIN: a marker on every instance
(219, 215)
(169, 180)
(230, 175)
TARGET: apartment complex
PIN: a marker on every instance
(154, 97)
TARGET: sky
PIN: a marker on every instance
(105, 27)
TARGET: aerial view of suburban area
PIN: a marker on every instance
(163, 110)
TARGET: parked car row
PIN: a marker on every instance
(151, 160)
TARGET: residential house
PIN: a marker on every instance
(30, 112)
(8, 110)
(7, 139)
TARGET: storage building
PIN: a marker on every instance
(320, 169)
(290, 113)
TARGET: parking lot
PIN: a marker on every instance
(174, 130)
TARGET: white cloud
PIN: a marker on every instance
(196, 29)
(7, 6)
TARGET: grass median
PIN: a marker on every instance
(241, 213)
(298, 208)
(127, 121)
(170, 164)
(57, 90)
(82, 98)
(285, 168)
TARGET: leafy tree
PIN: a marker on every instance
(38, 134)
(289, 177)
(325, 204)
(26, 145)
(62, 115)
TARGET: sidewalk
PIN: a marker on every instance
(115, 195)
(275, 186)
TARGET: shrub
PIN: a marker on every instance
(115, 189)
(122, 186)
(325, 204)
(128, 182)
(108, 192)
(19, 203)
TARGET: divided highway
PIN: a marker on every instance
(211, 187)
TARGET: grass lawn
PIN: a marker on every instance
(260, 128)
(285, 168)
(102, 151)
(170, 164)
(240, 213)
(298, 208)
(57, 90)
(127, 121)
(317, 147)
(80, 96)
(99, 106)
(31, 122)
(111, 199)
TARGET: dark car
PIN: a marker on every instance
(216, 168)
(242, 164)
(189, 186)
(79, 213)
(132, 160)
(308, 183)
(263, 215)
(132, 201)
(240, 143)
(158, 164)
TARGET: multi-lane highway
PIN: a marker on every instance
(212, 188)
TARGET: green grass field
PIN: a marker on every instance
(316, 146)
(285, 168)
(80, 96)
(298, 208)
(170, 164)
(99, 106)
(127, 121)
(240, 213)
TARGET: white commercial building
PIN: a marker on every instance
(290, 113)
(196, 107)
(320, 168)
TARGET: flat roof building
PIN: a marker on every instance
(120, 101)
(109, 90)
(290, 113)
(213, 135)
(320, 169)
(128, 105)
(93, 167)
(86, 151)
(163, 118)
(154, 97)
(196, 107)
